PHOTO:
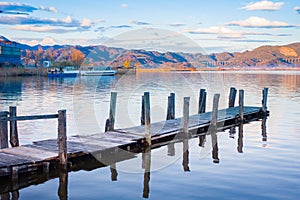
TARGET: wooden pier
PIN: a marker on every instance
(42, 157)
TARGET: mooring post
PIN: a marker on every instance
(186, 111)
(147, 116)
(214, 114)
(171, 107)
(232, 96)
(62, 138)
(110, 122)
(231, 102)
(241, 105)
(143, 111)
(202, 101)
(264, 100)
(3, 130)
(14, 138)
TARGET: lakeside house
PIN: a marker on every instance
(10, 53)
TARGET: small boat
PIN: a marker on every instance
(63, 72)
(97, 71)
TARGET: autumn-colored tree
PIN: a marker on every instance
(49, 54)
(38, 56)
(77, 56)
(27, 58)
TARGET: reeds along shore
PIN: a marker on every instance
(20, 71)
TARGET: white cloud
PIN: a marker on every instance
(85, 22)
(42, 29)
(48, 41)
(258, 22)
(264, 5)
(297, 9)
(68, 19)
(124, 5)
(218, 30)
(50, 9)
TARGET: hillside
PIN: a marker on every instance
(264, 56)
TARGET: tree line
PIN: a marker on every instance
(67, 56)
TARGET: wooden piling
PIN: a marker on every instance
(143, 111)
(202, 101)
(214, 114)
(110, 122)
(3, 130)
(62, 138)
(147, 116)
(186, 110)
(264, 100)
(232, 96)
(171, 107)
(241, 105)
(147, 163)
(14, 138)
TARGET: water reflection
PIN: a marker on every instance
(240, 138)
(147, 165)
(63, 185)
(215, 149)
(185, 155)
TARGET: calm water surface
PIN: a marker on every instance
(249, 167)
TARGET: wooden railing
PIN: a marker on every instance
(11, 117)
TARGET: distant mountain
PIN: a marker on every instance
(264, 56)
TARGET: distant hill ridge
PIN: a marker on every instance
(264, 56)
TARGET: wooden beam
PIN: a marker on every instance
(14, 138)
(264, 100)
(32, 117)
(186, 110)
(143, 111)
(241, 105)
(62, 138)
(110, 122)
(232, 96)
(171, 107)
(202, 101)
(147, 116)
(3, 130)
(214, 114)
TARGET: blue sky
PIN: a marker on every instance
(214, 25)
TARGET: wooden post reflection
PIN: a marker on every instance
(240, 138)
(147, 164)
(264, 130)
(232, 132)
(114, 172)
(15, 195)
(5, 196)
(63, 185)
(185, 155)
(215, 149)
(202, 140)
(171, 149)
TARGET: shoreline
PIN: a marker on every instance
(15, 72)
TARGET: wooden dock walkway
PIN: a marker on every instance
(42, 156)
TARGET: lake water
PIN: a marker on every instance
(249, 167)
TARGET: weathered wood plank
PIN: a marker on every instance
(36, 154)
